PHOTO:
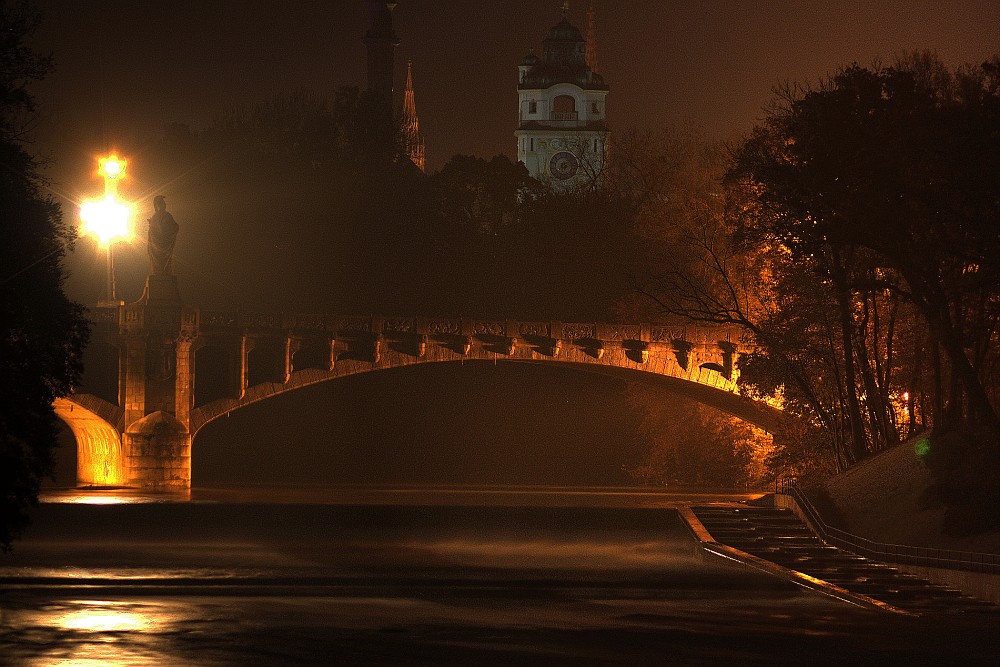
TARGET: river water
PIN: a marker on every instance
(422, 575)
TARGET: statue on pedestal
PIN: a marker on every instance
(162, 236)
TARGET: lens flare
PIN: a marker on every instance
(106, 219)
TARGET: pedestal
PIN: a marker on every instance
(158, 453)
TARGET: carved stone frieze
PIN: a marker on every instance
(217, 318)
(666, 334)
(533, 329)
(260, 320)
(623, 332)
(579, 331)
(437, 327)
(362, 324)
(397, 325)
(309, 321)
(488, 328)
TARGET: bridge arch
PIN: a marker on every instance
(702, 370)
(100, 458)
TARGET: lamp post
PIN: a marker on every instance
(107, 219)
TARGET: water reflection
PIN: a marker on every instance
(399, 575)
(110, 496)
(104, 616)
(88, 633)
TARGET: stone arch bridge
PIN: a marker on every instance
(144, 439)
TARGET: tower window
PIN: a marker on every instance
(593, 108)
(564, 104)
(532, 106)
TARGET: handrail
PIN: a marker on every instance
(890, 553)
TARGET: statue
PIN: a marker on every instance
(162, 236)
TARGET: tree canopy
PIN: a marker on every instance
(43, 333)
(857, 238)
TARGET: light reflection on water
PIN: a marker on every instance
(88, 633)
(113, 496)
(103, 616)
(398, 574)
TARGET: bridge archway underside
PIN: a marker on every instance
(698, 363)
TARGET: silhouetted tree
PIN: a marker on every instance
(882, 180)
(42, 333)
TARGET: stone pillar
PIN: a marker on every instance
(292, 345)
(246, 345)
(159, 339)
(184, 378)
(133, 372)
(157, 452)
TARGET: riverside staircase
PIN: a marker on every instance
(779, 536)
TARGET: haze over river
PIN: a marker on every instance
(423, 575)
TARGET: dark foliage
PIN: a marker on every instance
(42, 333)
(881, 185)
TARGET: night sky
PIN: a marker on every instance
(126, 68)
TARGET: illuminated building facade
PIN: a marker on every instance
(562, 130)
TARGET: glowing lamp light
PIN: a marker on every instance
(106, 219)
(112, 167)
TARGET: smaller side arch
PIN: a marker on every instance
(99, 457)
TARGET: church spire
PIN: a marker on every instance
(413, 142)
(592, 38)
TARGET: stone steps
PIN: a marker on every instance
(777, 535)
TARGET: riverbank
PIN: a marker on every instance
(891, 499)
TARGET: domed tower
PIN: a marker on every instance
(562, 131)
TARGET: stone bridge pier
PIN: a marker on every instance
(155, 389)
(143, 440)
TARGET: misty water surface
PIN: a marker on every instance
(419, 576)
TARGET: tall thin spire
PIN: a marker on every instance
(565, 8)
(592, 38)
(413, 142)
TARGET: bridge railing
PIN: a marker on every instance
(609, 332)
(890, 553)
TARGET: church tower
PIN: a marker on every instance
(413, 143)
(562, 132)
(381, 42)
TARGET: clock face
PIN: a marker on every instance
(563, 165)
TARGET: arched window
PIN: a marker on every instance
(564, 104)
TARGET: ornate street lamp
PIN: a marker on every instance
(107, 219)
